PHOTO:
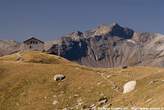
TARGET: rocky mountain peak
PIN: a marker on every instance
(114, 23)
(113, 30)
(74, 36)
(122, 32)
(102, 30)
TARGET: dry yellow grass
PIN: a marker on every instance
(27, 83)
(34, 57)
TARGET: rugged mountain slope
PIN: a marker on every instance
(104, 46)
(111, 46)
(8, 47)
(30, 85)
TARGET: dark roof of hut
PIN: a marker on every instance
(31, 39)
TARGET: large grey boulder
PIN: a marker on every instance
(129, 86)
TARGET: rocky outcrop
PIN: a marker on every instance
(8, 47)
(102, 46)
(111, 46)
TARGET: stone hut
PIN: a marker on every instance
(33, 44)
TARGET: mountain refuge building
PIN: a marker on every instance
(33, 44)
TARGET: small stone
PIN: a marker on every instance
(124, 67)
(99, 83)
(109, 76)
(80, 103)
(103, 100)
(79, 100)
(93, 107)
(59, 77)
(54, 96)
(17, 104)
(55, 102)
(148, 100)
(79, 88)
(76, 95)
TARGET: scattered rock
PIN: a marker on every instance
(109, 76)
(76, 95)
(17, 104)
(92, 107)
(129, 86)
(54, 96)
(103, 100)
(152, 82)
(87, 107)
(45, 97)
(99, 83)
(59, 77)
(79, 101)
(124, 67)
(149, 100)
(84, 107)
(155, 81)
(55, 102)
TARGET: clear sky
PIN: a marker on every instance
(49, 19)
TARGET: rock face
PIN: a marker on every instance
(129, 86)
(8, 47)
(111, 46)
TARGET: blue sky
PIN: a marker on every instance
(50, 19)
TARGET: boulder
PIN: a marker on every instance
(59, 77)
(103, 100)
(129, 86)
(124, 67)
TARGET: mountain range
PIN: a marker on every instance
(104, 46)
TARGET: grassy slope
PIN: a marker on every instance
(26, 83)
